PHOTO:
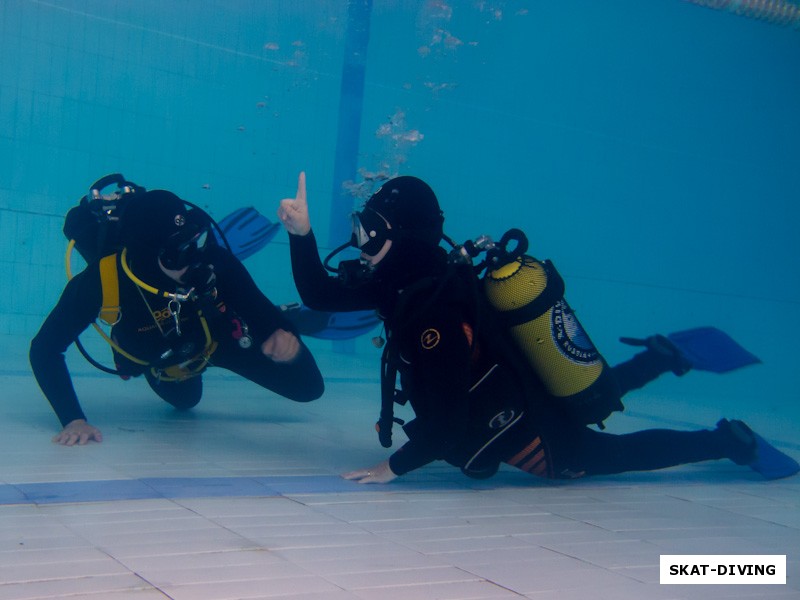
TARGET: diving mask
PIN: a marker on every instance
(184, 248)
(372, 235)
(370, 231)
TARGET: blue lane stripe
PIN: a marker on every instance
(84, 491)
(59, 492)
(62, 492)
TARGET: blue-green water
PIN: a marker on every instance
(651, 149)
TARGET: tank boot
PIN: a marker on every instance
(663, 353)
(747, 448)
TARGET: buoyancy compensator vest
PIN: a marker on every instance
(525, 297)
(94, 228)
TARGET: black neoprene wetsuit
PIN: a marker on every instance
(147, 331)
(452, 385)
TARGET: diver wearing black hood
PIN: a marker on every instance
(185, 303)
(458, 372)
(398, 232)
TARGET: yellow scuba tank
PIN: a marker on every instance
(529, 296)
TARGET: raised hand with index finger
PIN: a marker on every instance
(293, 212)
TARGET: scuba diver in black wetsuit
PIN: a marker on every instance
(184, 303)
(475, 404)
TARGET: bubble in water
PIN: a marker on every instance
(413, 136)
(437, 9)
(383, 130)
(438, 87)
(398, 140)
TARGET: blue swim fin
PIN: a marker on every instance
(330, 325)
(710, 349)
(247, 231)
(771, 462)
(756, 452)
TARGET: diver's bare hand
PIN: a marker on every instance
(78, 432)
(380, 473)
(282, 346)
(293, 212)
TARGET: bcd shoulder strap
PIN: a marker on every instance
(110, 312)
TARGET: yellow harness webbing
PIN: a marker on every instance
(110, 312)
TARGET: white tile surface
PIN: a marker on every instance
(432, 535)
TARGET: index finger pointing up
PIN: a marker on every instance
(301, 189)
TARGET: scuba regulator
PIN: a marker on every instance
(352, 272)
(497, 253)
